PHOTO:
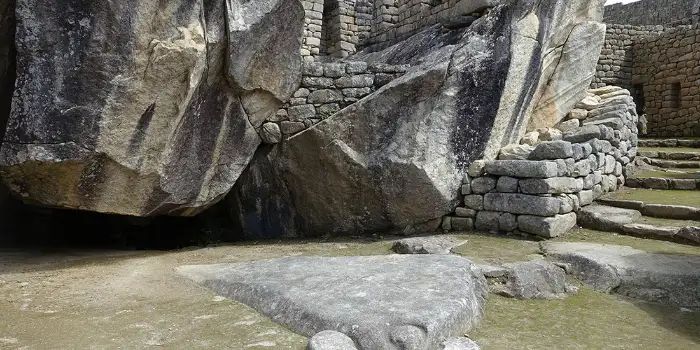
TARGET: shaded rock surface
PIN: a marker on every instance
(7, 60)
(358, 295)
(536, 279)
(663, 278)
(469, 92)
(139, 117)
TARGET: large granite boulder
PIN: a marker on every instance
(397, 157)
(411, 302)
(263, 51)
(126, 107)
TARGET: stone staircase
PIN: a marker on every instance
(667, 164)
(656, 214)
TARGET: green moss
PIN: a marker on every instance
(690, 198)
(587, 320)
(496, 249)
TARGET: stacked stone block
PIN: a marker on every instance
(325, 89)
(535, 188)
(667, 66)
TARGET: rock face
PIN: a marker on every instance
(395, 158)
(7, 61)
(139, 117)
(667, 279)
(535, 279)
(357, 296)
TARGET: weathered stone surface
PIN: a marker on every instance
(271, 133)
(627, 204)
(583, 134)
(331, 340)
(147, 128)
(7, 60)
(605, 218)
(553, 226)
(264, 45)
(358, 295)
(512, 152)
(552, 150)
(483, 184)
(517, 203)
(679, 212)
(536, 279)
(507, 184)
(553, 185)
(461, 343)
(667, 279)
(522, 168)
(650, 230)
(427, 245)
(488, 221)
(691, 233)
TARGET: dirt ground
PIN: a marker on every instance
(132, 300)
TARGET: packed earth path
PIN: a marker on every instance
(126, 299)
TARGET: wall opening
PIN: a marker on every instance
(638, 97)
(675, 95)
(330, 28)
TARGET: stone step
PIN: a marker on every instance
(692, 143)
(664, 211)
(669, 279)
(631, 222)
(665, 180)
(672, 164)
(665, 153)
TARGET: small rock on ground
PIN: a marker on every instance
(427, 245)
(460, 343)
(331, 340)
(537, 279)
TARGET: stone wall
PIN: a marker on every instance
(395, 20)
(536, 187)
(326, 88)
(666, 69)
(334, 28)
(649, 12)
(617, 57)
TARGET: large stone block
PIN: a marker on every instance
(517, 203)
(547, 226)
(552, 150)
(522, 168)
(552, 185)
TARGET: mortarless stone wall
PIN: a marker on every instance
(667, 69)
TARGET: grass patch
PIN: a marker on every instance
(669, 174)
(649, 245)
(586, 320)
(689, 198)
(496, 249)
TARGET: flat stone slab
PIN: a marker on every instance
(605, 218)
(427, 245)
(381, 302)
(663, 278)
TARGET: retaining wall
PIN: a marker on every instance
(536, 187)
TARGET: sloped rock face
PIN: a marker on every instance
(126, 107)
(397, 157)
